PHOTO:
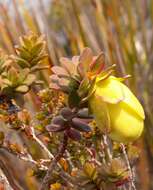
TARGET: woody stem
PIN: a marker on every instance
(45, 182)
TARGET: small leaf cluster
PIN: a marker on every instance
(93, 177)
(77, 76)
(17, 71)
(72, 122)
(31, 52)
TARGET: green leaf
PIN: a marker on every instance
(39, 68)
(37, 60)
(31, 51)
(26, 42)
(37, 48)
(73, 99)
(105, 74)
(22, 62)
(24, 54)
(91, 90)
(12, 75)
(38, 82)
(22, 89)
(84, 87)
(29, 80)
(23, 75)
(6, 82)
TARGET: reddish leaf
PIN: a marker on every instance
(80, 125)
(63, 82)
(55, 128)
(54, 86)
(98, 64)
(84, 113)
(59, 71)
(74, 134)
(66, 113)
(54, 78)
(68, 65)
(58, 120)
(84, 61)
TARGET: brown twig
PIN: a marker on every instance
(25, 157)
(40, 164)
(128, 166)
(6, 176)
(45, 182)
(4, 180)
(41, 144)
(108, 155)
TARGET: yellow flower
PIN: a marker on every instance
(116, 110)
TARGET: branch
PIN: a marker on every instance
(50, 155)
(105, 145)
(40, 164)
(7, 178)
(45, 182)
(26, 157)
(128, 166)
(4, 180)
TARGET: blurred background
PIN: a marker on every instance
(123, 29)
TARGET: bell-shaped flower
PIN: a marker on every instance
(116, 110)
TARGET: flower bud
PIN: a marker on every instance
(116, 110)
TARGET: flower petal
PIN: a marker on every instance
(113, 91)
(110, 90)
(101, 113)
(126, 126)
(133, 103)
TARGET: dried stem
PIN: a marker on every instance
(128, 166)
(4, 180)
(26, 157)
(50, 155)
(45, 182)
(69, 158)
(7, 179)
(106, 148)
(40, 164)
